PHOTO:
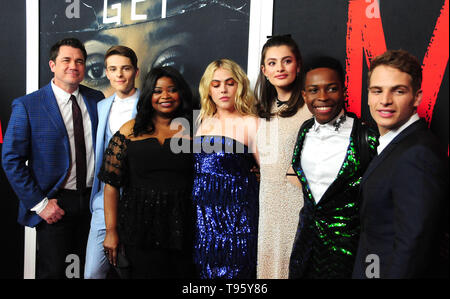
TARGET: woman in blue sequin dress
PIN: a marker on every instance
(225, 191)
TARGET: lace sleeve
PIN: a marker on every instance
(113, 168)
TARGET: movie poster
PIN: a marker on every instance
(185, 34)
(356, 31)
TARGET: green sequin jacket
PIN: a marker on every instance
(328, 232)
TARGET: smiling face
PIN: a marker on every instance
(223, 90)
(280, 67)
(323, 94)
(121, 74)
(165, 98)
(68, 68)
(392, 100)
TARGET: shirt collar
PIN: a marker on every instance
(62, 95)
(389, 136)
(128, 99)
(329, 125)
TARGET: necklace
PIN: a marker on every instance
(279, 102)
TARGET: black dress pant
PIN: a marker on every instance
(61, 246)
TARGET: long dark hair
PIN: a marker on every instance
(266, 92)
(145, 112)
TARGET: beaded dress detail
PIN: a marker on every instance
(154, 209)
(279, 200)
(225, 197)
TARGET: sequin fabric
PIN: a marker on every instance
(328, 232)
(225, 197)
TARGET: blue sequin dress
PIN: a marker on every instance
(225, 197)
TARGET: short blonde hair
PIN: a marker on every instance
(245, 102)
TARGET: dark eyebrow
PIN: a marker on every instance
(328, 84)
(391, 87)
(282, 58)
(400, 86)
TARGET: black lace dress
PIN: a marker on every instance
(154, 217)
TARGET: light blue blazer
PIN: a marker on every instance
(103, 136)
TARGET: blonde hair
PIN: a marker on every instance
(245, 102)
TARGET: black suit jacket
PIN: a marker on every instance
(403, 194)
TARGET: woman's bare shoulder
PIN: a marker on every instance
(127, 128)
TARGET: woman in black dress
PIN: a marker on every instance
(147, 169)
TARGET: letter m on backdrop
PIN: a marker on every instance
(365, 38)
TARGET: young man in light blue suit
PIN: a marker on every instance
(113, 112)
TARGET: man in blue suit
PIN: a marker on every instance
(113, 112)
(48, 158)
(404, 191)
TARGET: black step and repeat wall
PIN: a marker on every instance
(12, 85)
(190, 34)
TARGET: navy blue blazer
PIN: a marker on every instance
(36, 133)
(403, 194)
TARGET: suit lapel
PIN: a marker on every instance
(347, 170)
(297, 165)
(133, 115)
(91, 105)
(51, 106)
(385, 153)
(104, 108)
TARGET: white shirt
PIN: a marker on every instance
(65, 107)
(389, 136)
(121, 111)
(323, 154)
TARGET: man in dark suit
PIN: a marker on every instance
(404, 191)
(48, 157)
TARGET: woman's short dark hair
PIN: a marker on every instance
(324, 62)
(266, 92)
(146, 112)
(71, 42)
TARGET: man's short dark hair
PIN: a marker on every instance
(324, 62)
(71, 42)
(401, 60)
(122, 51)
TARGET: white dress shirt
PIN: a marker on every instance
(121, 111)
(389, 136)
(323, 154)
(65, 107)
